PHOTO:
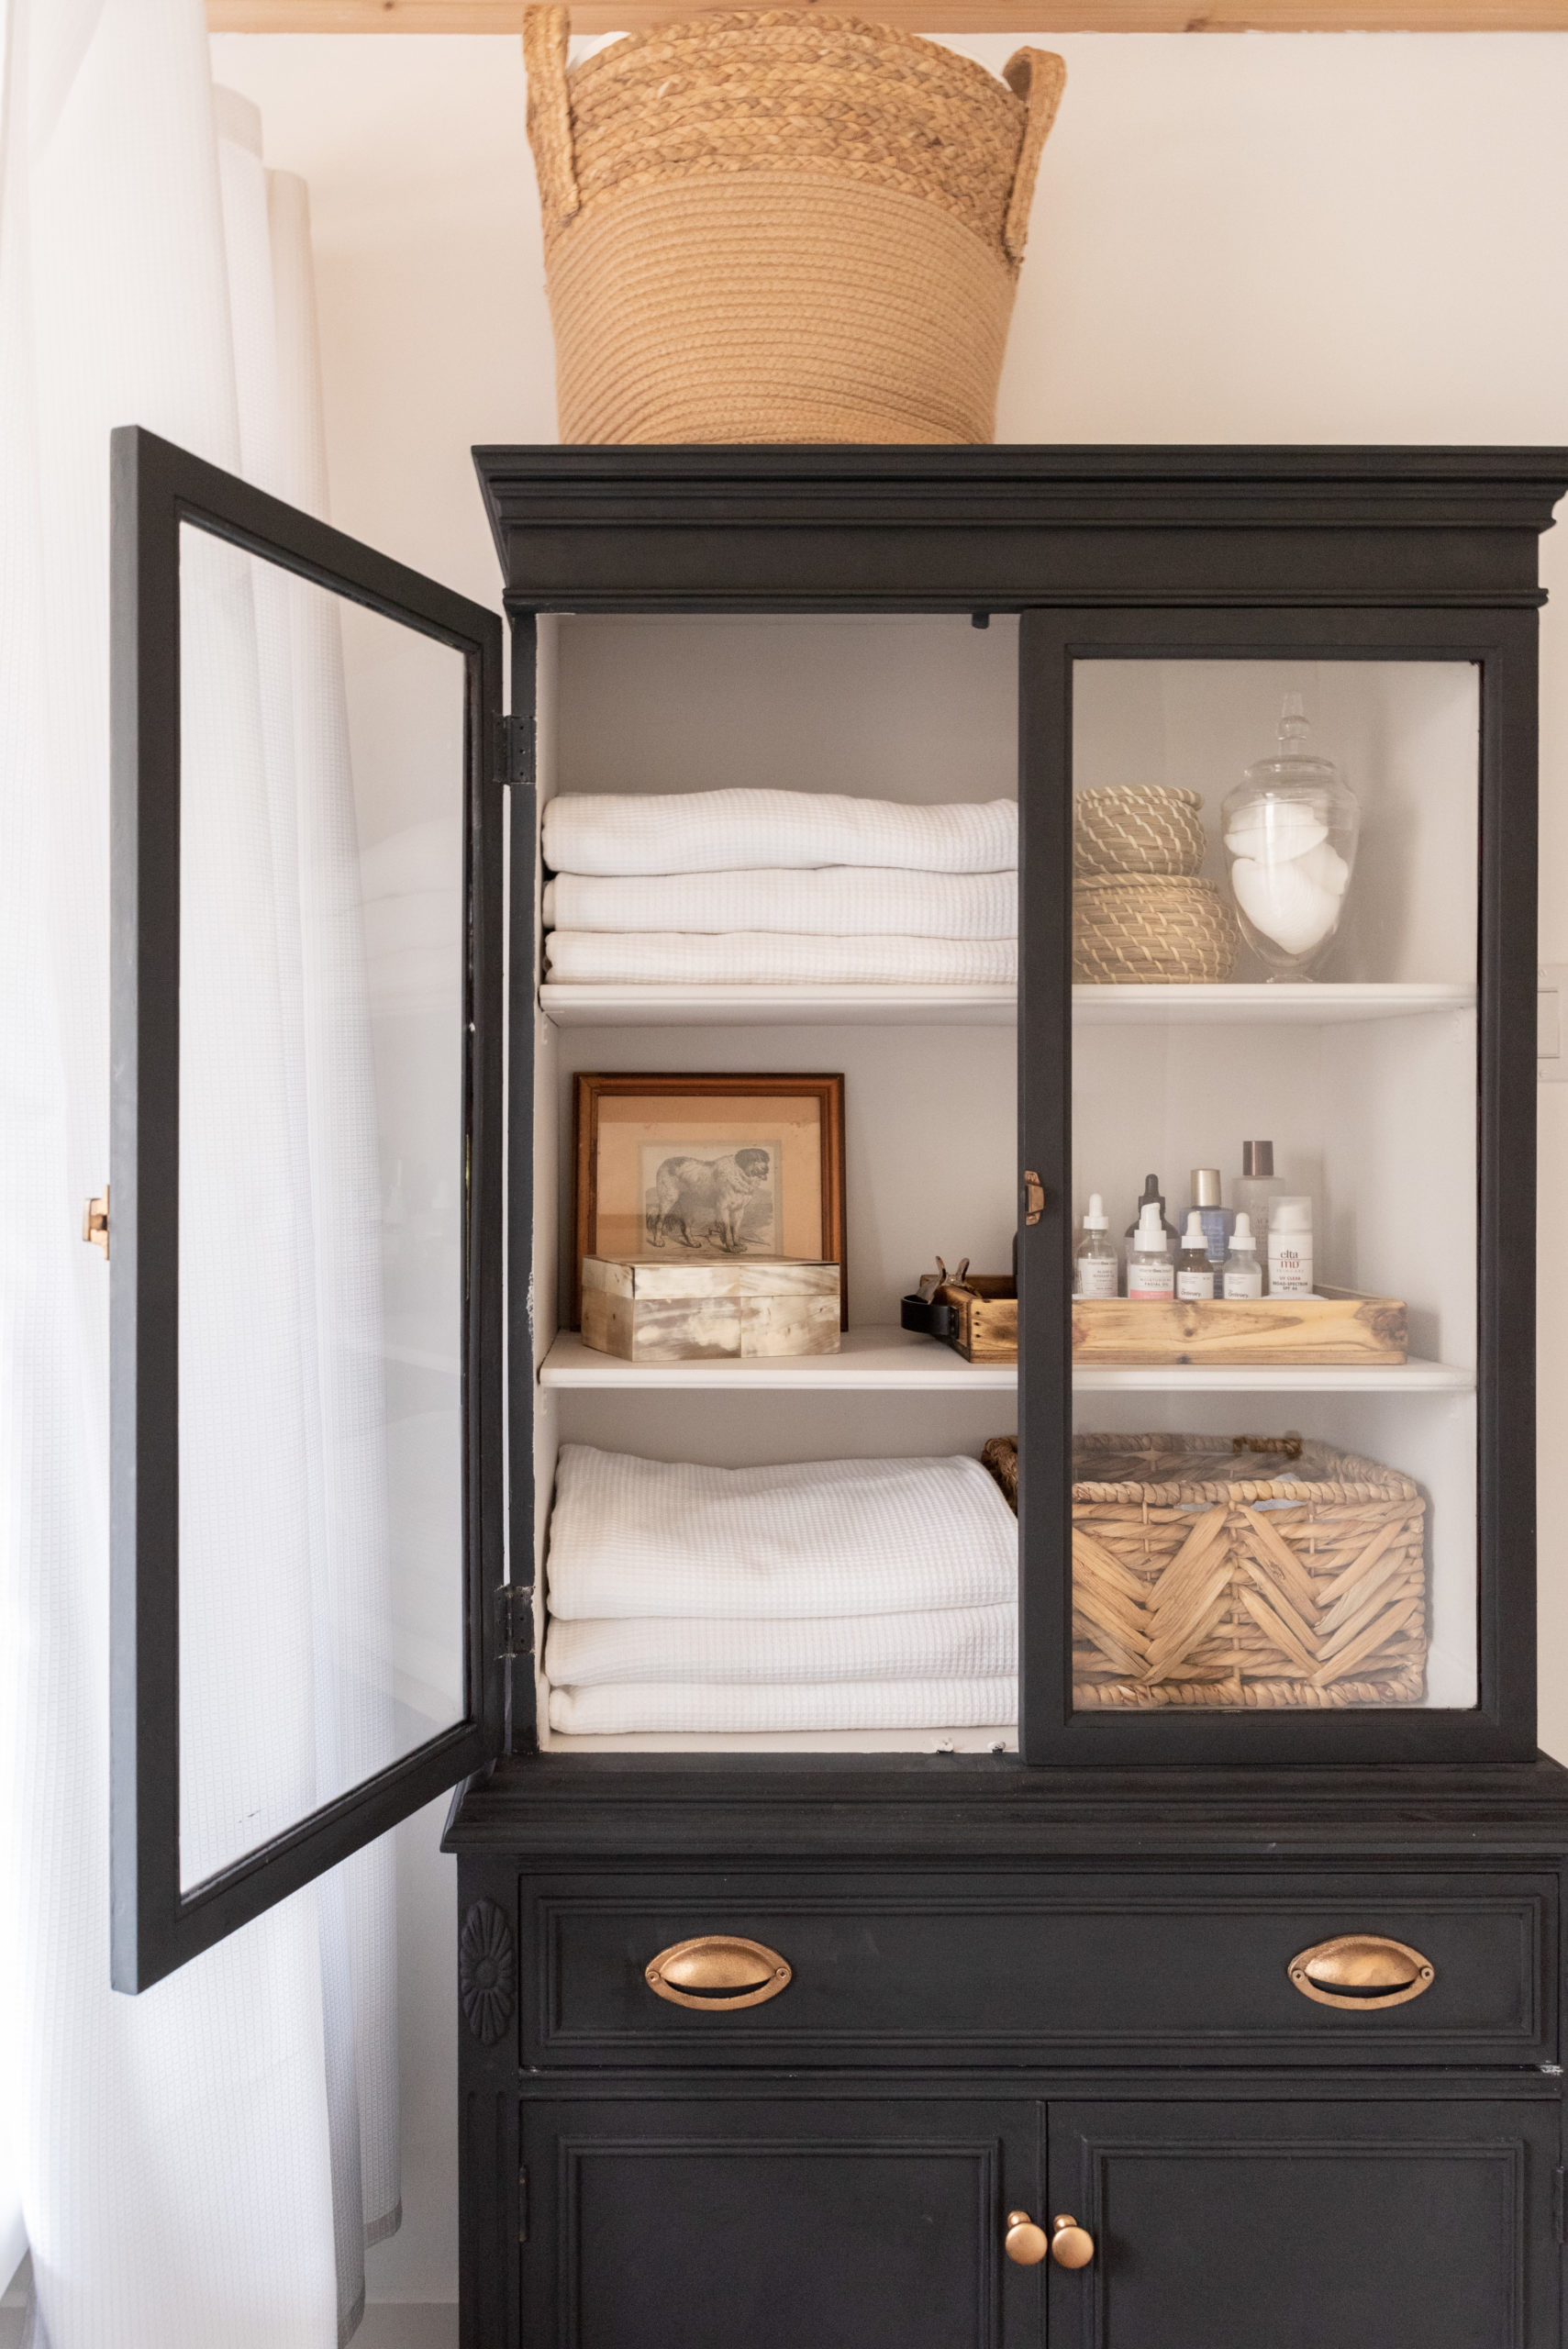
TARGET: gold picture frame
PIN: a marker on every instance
(781, 1136)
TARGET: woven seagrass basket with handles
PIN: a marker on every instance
(1247, 1572)
(777, 225)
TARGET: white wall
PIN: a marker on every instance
(1255, 238)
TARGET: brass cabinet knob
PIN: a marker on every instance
(1071, 2245)
(1025, 2244)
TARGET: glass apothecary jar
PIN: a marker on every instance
(1291, 828)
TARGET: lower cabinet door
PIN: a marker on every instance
(771, 2224)
(1307, 2225)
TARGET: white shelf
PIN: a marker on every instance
(866, 1358)
(1308, 1003)
(882, 1358)
(673, 1007)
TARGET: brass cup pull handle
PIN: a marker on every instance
(717, 1970)
(1361, 1972)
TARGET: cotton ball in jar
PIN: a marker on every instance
(1275, 832)
(1286, 903)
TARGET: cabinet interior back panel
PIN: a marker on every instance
(915, 707)
(930, 1119)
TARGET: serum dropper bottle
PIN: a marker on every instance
(1243, 1276)
(1152, 1196)
(1151, 1275)
(1194, 1273)
(1098, 1266)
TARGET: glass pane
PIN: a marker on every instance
(321, 1199)
(1276, 933)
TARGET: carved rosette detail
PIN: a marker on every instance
(487, 1973)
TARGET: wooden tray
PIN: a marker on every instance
(980, 1320)
(1338, 1325)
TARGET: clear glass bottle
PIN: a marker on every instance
(1242, 1276)
(1097, 1265)
(1150, 1274)
(1206, 1206)
(1291, 828)
(1194, 1271)
(1255, 1192)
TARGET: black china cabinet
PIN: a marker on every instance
(1212, 2018)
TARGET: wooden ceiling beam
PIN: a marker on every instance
(1023, 17)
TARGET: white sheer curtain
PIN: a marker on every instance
(202, 2164)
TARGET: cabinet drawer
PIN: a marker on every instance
(1043, 1966)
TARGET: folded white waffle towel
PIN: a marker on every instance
(719, 1710)
(731, 832)
(934, 1644)
(758, 958)
(631, 1537)
(838, 901)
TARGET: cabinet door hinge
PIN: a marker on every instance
(522, 2206)
(1559, 2210)
(514, 1620)
(515, 748)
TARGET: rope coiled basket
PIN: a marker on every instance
(1130, 927)
(1214, 1573)
(772, 226)
(1138, 827)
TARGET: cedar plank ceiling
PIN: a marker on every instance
(1025, 17)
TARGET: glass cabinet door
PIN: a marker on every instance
(304, 1218)
(1273, 1351)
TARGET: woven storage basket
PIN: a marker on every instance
(1138, 827)
(781, 226)
(1207, 1575)
(1150, 925)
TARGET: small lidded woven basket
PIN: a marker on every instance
(1138, 827)
(777, 226)
(1151, 927)
(1243, 1573)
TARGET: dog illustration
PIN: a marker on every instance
(704, 1199)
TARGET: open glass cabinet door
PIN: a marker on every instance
(304, 1219)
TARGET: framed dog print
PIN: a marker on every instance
(708, 1169)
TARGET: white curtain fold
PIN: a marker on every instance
(201, 2165)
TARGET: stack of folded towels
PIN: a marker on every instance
(780, 888)
(825, 1595)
